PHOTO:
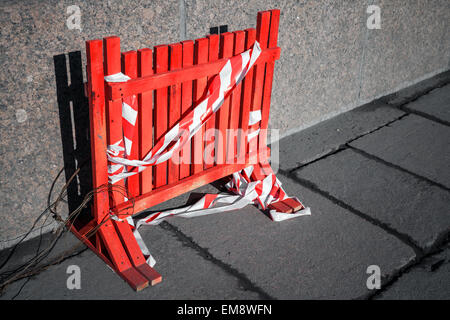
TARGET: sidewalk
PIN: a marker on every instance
(377, 180)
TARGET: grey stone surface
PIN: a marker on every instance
(327, 136)
(412, 43)
(321, 47)
(403, 202)
(32, 34)
(414, 143)
(186, 275)
(322, 256)
(435, 104)
(429, 281)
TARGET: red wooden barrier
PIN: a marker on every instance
(168, 81)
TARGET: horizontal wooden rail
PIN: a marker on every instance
(118, 90)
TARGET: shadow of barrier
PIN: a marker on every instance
(73, 107)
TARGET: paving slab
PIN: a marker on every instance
(429, 281)
(435, 104)
(410, 205)
(329, 135)
(413, 143)
(186, 275)
(320, 256)
(413, 92)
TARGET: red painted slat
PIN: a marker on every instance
(235, 111)
(160, 123)
(129, 67)
(145, 118)
(274, 25)
(226, 51)
(108, 233)
(112, 65)
(210, 125)
(247, 87)
(135, 253)
(272, 42)
(176, 60)
(97, 115)
(186, 105)
(262, 36)
(200, 56)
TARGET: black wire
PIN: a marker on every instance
(35, 260)
(19, 273)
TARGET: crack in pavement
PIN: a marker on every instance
(405, 238)
(397, 167)
(403, 106)
(390, 98)
(243, 280)
(438, 247)
(424, 115)
(343, 146)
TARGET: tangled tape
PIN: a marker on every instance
(244, 185)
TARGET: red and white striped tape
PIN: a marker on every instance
(245, 187)
(129, 117)
(229, 76)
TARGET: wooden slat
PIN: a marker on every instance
(274, 25)
(145, 118)
(210, 125)
(112, 65)
(186, 105)
(235, 111)
(160, 120)
(280, 207)
(129, 67)
(272, 43)
(294, 204)
(114, 133)
(262, 36)
(200, 56)
(96, 95)
(135, 253)
(222, 119)
(176, 61)
(165, 79)
(247, 87)
(151, 274)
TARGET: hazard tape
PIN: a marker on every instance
(232, 73)
(244, 188)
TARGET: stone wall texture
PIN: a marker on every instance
(330, 63)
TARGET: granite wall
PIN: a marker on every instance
(330, 62)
